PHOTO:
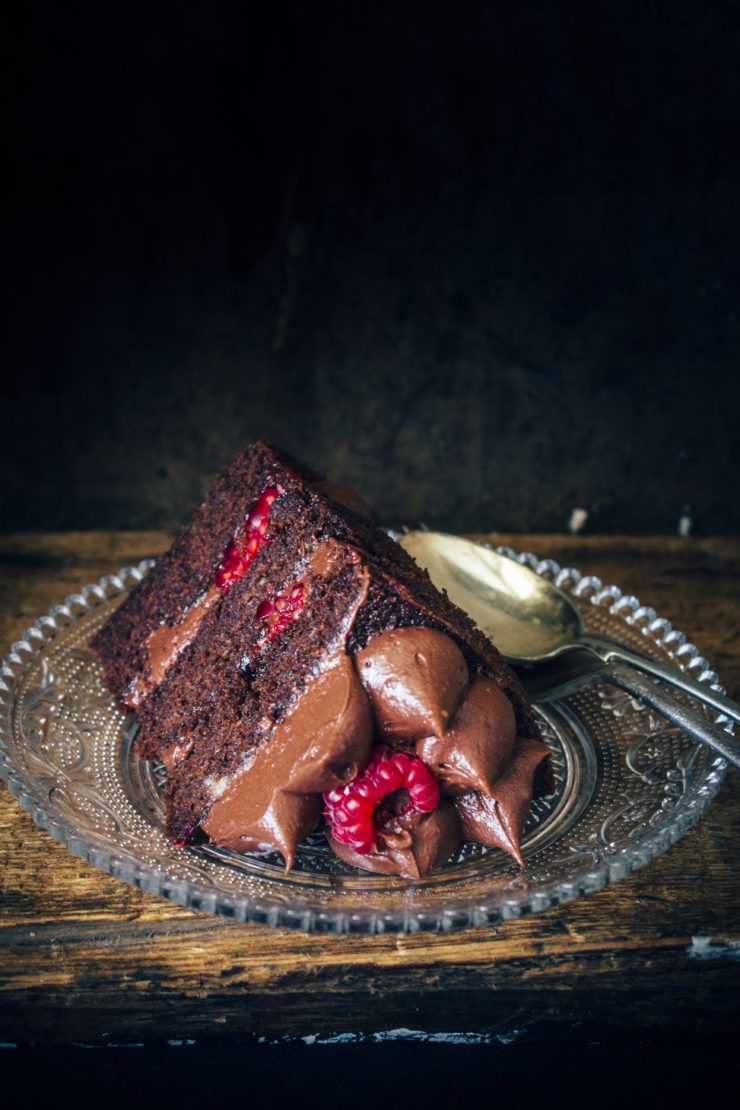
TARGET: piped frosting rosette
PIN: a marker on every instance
(461, 731)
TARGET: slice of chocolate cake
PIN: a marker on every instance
(290, 663)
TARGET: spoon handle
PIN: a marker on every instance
(612, 652)
(686, 717)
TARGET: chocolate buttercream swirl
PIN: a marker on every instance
(415, 678)
(418, 683)
(498, 818)
(477, 746)
(165, 644)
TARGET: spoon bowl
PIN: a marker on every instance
(525, 616)
(531, 622)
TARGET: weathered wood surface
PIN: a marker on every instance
(84, 957)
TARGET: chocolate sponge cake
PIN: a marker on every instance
(289, 663)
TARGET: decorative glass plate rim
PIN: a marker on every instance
(301, 914)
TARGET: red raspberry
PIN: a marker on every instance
(253, 545)
(190, 835)
(237, 559)
(232, 567)
(353, 810)
(279, 611)
(258, 518)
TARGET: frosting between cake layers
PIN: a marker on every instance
(173, 753)
(164, 644)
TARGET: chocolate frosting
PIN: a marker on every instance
(329, 558)
(173, 753)
(415, 678)
(498, 818)
(411, 845)
(163, 646)
(474, 751)
(322, 743)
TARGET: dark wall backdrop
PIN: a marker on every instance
(480, 260)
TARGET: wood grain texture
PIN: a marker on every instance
(84, 957)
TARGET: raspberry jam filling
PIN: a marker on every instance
(188, 838)
(277, 612)
(392, 784)
(239, 556)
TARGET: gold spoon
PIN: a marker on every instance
(531, 621)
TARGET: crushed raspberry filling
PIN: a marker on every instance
(277, 612)
(183, 841)
(392, 783)
(238, 556)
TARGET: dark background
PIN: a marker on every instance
(480, 260)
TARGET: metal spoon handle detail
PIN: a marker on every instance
(612, 652)
(684, 716)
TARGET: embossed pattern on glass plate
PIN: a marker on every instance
(628, 785)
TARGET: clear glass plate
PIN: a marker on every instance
(629, 785)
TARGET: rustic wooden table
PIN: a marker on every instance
(85, 958)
